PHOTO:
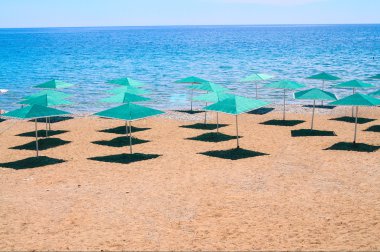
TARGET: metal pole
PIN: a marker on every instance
(353, 92)
(130, 136)
(217, 122)
(46, 127)
(49, 124)
(191, 98)
(323, 87)
(312, 118)
(356, 123)
(35, 123)
(237, 132)
(206, 115)
(283, 117)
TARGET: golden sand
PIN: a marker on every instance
(299, 197)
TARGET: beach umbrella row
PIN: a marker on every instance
(50, 90)
(222, 102)
(35, 112)
(129, 112)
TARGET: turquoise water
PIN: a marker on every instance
(160, 55)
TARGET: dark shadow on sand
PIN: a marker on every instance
(202, 126)
(319, 106)
(374, 128)
(2, 120)
(359, 147)
(119, 142)
(33, 162)
(213, 137)
(309, 133)
(286, 123)
(233, 154)
(190, 112)
(43, 144)
(125, 158)
(42, 133)
(122, 130)
(350, 119)
(261, 111)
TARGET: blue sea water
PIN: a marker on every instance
(158, 56)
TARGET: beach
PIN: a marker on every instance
(295, 194)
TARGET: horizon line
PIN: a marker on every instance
(184, 25)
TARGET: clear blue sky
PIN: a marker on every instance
(56, 13)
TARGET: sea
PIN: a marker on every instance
(158, 56)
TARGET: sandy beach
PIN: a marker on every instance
(296, 195)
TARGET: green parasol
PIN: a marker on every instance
(125, 98)
(314, 94)
(357, 100)
(376, 93)
(256, 78)
(128, 89)
(234, 106)
(285, 85)
(51, 93)
(192, 80)
(324, 77)
(54, 84)
(126, 82)
(129, 112)
(212, 98)
(46, 100)
(34, 112)
(354, 84)
(209, 87)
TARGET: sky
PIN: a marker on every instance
(72, 13)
